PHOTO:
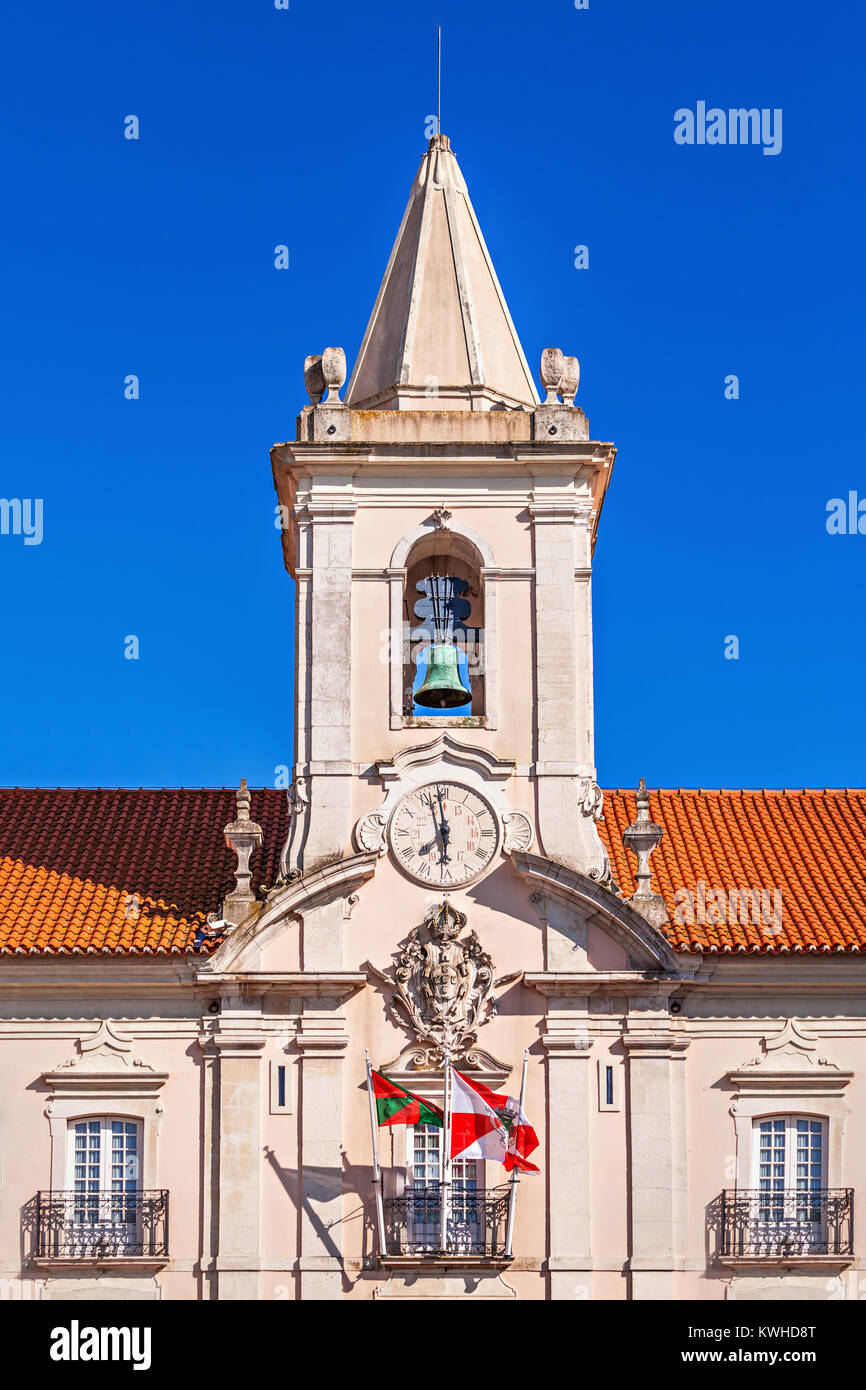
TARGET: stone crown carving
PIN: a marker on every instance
(790, 1060)
(560, 375)
(325, 371)
(105, 1064)
(442, 985)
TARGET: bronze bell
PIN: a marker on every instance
(443, 687)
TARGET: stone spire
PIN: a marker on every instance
(243, 836)
(440, 336)
(642, 837)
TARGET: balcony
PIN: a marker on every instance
(476, 1230)
(96, 1228)
(786, 1227)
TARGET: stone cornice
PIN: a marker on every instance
(237, 1044)
(303, 983)
(571, 983)
(520, 454)
(567, 1042)
(655, 1042)
(119, 1082)
(806, 1081)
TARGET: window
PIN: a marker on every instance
(281, 1098)
(104, 1182)
(465, 1231)
(790, 1163)
(609, 1083)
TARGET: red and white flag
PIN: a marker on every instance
(476, 1129)
(521, 1138)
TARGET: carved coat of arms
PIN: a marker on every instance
(442, 984)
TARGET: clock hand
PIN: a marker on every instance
(444, 829)
(436, 828)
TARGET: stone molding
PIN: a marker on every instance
(406, 544)
(644, 944)
(789, 1065)
(105, 1066)
(790, 1077)
(105, 1077)
(240, 952)
(441, 758)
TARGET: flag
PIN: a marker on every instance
(522, 1138)
(396, 1106)
(476, 1130)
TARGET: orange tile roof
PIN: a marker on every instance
(128, 872)
(136, 872)
(807, 846)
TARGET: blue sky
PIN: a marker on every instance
(304, 127)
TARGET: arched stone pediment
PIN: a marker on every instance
(457, 530)
(646, 947)
(242, 948)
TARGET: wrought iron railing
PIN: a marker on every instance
(477, 1222)
(787, 1223)
(96, 1225)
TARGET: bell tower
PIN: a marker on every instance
(439, 523)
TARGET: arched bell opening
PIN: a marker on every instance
(443, 609)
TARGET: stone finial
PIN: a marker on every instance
(642, 837)
(334, 373)
(313, 378)
(570, 380)
(551, 373)
(243, 836)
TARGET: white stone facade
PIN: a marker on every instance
(240, 1076)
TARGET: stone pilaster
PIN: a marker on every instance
(323, 773)
(322, 1040)
(239, 1045)
(568, 1044)
(657, 1132)
(564, 766)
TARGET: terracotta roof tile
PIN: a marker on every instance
(117, 871)
(808, 846)
(137, 872)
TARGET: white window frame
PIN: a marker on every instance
(791, 1148)
(787, 1205)
(429, 1232)
(100, 1205)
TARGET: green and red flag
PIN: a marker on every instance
(397, 1106)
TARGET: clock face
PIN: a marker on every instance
(444, 834)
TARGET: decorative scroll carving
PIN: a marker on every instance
(518, 831)
(370, 833)
(590, 798)
(442, 986)
(105, 1047)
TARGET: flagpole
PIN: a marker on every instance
(377, 1172)
(445, 1162)
(512, 1196)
